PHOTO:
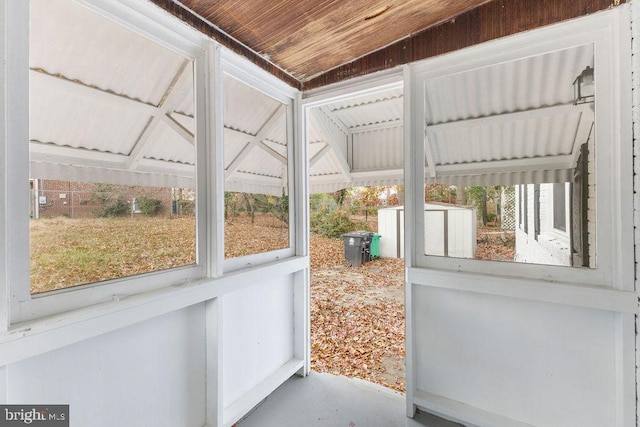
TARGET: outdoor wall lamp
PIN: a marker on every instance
(584, 88)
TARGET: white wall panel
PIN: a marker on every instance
(543, 364)
(257, 334)
(150, 374)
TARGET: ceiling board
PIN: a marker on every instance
(309, 37)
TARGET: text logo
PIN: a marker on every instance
(34, 415)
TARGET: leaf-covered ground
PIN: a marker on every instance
(357, 316)
(495, 244)
(68, 252)
(357, 324)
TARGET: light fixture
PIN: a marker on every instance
(584, 88)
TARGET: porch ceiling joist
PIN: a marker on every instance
(56, 151)
(377, 126)
(161, 113)
(497, 119)
(325, 125)
(80, 157)
(256, 141)
(554, 158)
(324, 150)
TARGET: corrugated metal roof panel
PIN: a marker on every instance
(245, 108)
(523, 136)
(70, 40)
(380, 149)
(269, 165)
(369, 109)
(386, 111)
(68, 118)
(165, 144)
(529, 83)
(326, 165)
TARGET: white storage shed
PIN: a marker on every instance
(450, 231)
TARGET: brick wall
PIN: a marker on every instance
(76, 199)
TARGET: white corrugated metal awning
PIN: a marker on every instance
(106, 105)
(510, 123)
(121, 109)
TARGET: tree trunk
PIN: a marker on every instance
(461, 196)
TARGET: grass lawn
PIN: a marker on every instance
(68, 252)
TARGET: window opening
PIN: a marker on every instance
(256, 155)
(112, 150)
(489, 142)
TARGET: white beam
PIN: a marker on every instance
(141, 146)
(325, 125)
(256, 141)
(273, 153)
(160, 113)
(556, 110)
(513, 165)
(178, 128)
(271, 122)
(428, 153)
(261, 179)
(235, 163)
(583, 133)
(51, 153)
(324, 150)
(391, 124)
(335, 120)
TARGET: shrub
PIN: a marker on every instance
(188, 207)
(111, 203)
(334, 224)
(148, 205)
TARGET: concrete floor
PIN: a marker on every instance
(324, 400)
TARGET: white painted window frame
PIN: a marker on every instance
(609, 287)
(149, 21)
(243, 70)
(613, 147)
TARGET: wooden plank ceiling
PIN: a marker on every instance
(309, 37)
(311, 43)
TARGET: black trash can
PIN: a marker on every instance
(356, 247)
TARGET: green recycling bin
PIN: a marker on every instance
(374, 248)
